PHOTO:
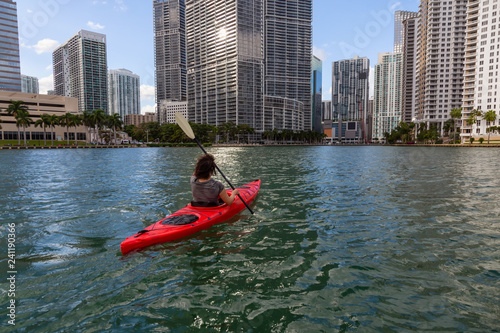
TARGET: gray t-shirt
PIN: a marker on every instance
(206, 191)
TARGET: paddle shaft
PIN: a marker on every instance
(201, 146)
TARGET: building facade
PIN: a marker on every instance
(168, 109)
(170, 50)
(225, 62)
(316, 94)
(10, 64)
(399, 29)
(124, 92)
(409, 62)
(288, 50)
(137, 119)
(37, 106)
(29, 84)
(80, 70)
(440, 60)
(350, 95)
(481, 74)
(387, 103)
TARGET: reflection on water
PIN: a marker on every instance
(343, 238)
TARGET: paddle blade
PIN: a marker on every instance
(184, 125)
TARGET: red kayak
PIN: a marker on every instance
(190, 220)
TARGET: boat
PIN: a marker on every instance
(190, 220)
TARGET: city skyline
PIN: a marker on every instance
(350, 33)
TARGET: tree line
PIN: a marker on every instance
(405, 132)
(225, 133)
(103, 124)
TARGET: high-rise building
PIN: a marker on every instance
(225, 62)
(387, 108)
(170, 50)
(316, 95)
(326, 110)
(409, 61)
(350, 95)
(249, 62)
(481, 73)
(29, 84)
(440, 60)
(10, 64)
(124, 92)
(167, 110)
(80, 70)
(399, 29)
(288, 50)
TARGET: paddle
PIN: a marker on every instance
(184, 125)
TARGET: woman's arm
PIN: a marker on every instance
(228, 199)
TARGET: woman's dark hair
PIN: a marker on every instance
(205, 167)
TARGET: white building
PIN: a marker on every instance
(482, 60)
(81, 70)
(440, 54)
(387, 105)
(29, 84)
(124, 92)
(167, 110)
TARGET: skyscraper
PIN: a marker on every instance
(316, 95)
(170, 50)
(399, 29)
(80, 70)
(481, 74)
(409, 60)
(29, 84)
(124, 92)
(350, 95)
(387, 106)
(10, 65)
(288, 52)
(440, 60)
(225, 62)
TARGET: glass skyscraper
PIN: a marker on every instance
(316, 96)
(350, 94)
(10, 65)
(124, 92)
(170, 50)
(225, 61)
(81, 71)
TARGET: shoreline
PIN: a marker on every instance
(260, 145)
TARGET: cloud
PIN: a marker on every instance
(147, 92)
(45, 45)
(320, 53)
(120, 5)
(148, 108)
(46, 83)
(94, 26)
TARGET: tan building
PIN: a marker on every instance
(37, 105)
(136, 119)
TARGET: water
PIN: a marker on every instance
(344, 239)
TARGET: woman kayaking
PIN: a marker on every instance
(206, 191)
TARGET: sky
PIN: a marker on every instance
(341, 30)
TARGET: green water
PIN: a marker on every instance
(344, 239)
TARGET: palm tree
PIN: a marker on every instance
(12, 110)
(44, 122)
(455, 114)
(473, 119)
(98, 116)
(87, 122)
(490, 117)
(53, 121)
(115, 121)
(76, 120)
(66, 120)
(23, 119)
